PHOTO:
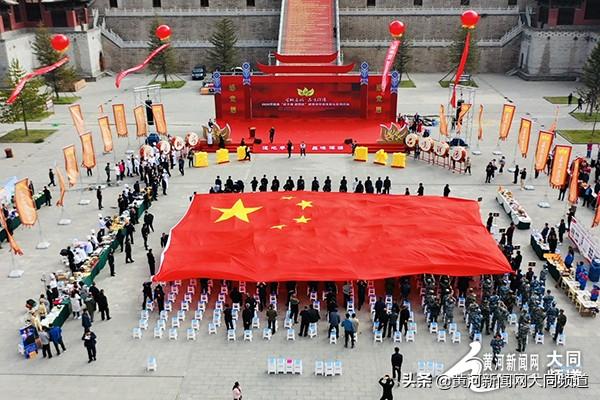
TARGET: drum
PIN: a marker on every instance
(426, 144)
(145, 151)
(177, 143)
(459, 154)
(191, 139)
(441, 149)
(411, 140)
(164, 146)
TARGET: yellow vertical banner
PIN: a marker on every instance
(106, 134)
(480, 123)
(464, 109)
(560, 166)
(77, 117)
(120, 120)
(443, 121)
(544, 144)
(524, 136)
(87, 147)
(140, 121)
(71, 167)
(63, 189)
(24, 203)
(11, 241)
(574, 183)
(159, 118)
(508, 112)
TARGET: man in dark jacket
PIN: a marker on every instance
(397, 359)
(149, 220)
(151, 262)
(304, 321)
(111, 261)
(89, 342)
(387, 384)
(247, 316)
(227, 315)
(300, 183)
(369, 186)
(404, 317)
(334, 323)
(378, 185)
(315, 185)
(102, 303)
(387, 184)
(275, 184)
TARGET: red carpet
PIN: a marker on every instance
(308, 27)
(314, 132)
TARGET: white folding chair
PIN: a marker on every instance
(151, 364)
(267, 334)
(561, 340)
(319, 368)
(298, 367)
(312, 330)
(291, 334)
(174, 322)
(539, 338)
(397, 337)
(248, 335)
(329, 368)
(231, 335)
(441, 336)
(143, 324)
(191, 334)
(271, 365)
(456, 337)
(136, 333)
(377, 336)
(212, 328)
(255, 323)
(195, 324)
(158, 332)
(410, 336)
(173, 334)
(337, 367)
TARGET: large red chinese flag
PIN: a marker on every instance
(308, 236)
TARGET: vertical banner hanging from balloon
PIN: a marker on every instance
(508, 112)
(14, 247)
(574, 181)
(160, 122)
(106, 133)
(524, 136)
(71, 166)
(396, 29)
(555, 121)
(469, 20)
(443, 121)
(480, 123)
(560, 166)
(120, 119)
(140, 121)
(464, 109)
(24, 203)
(544, 144)
(63, 188)
(87, 146)
(77, 117)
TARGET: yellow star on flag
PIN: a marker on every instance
(287, 197)
(304, 204)
(238, 211)
(302, 220)
(280, 227)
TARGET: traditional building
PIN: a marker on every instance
(18, 21)
(537, 39)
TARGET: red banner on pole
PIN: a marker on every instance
(560, 166)
(443, 121)
(524, 136)
(544, 144)
(389, 61)
(480, 120)
(141, 66)
(574, 182)
(508, 112)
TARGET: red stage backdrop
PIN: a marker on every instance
(306, 236)
(293, 100)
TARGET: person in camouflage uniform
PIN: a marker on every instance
(543, 275)
(499, 318)
(510, 300)
(522, 332)
(471, 298)
(538, 315)
(485, 316)
(434, 311)
(497, 344)
(475, 321)
(547, 300)
(551, 314)
(486, 287)
(449, 311)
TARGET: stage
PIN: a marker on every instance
(322, 135)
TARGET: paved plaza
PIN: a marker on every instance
(206, 368)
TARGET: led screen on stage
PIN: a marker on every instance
(272, 100)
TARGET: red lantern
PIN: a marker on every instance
(60, 42)
(469, 19)
(396, 29)
(163, 32)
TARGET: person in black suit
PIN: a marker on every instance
(315, 185)
(151, 262)
(343, 185)
(397, 359)
(300, 183)
(304, 321)
(264, 182)
(387, 384)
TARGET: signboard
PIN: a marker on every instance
(288, 99)
(584, 240)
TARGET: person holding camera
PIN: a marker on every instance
(387, 384)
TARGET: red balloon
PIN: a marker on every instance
(60, 42)
(163, 32)
(396, 28)
(469, 19)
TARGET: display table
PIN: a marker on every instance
(517, 213)
(539, 246)
(557, 268)
(13, 223)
